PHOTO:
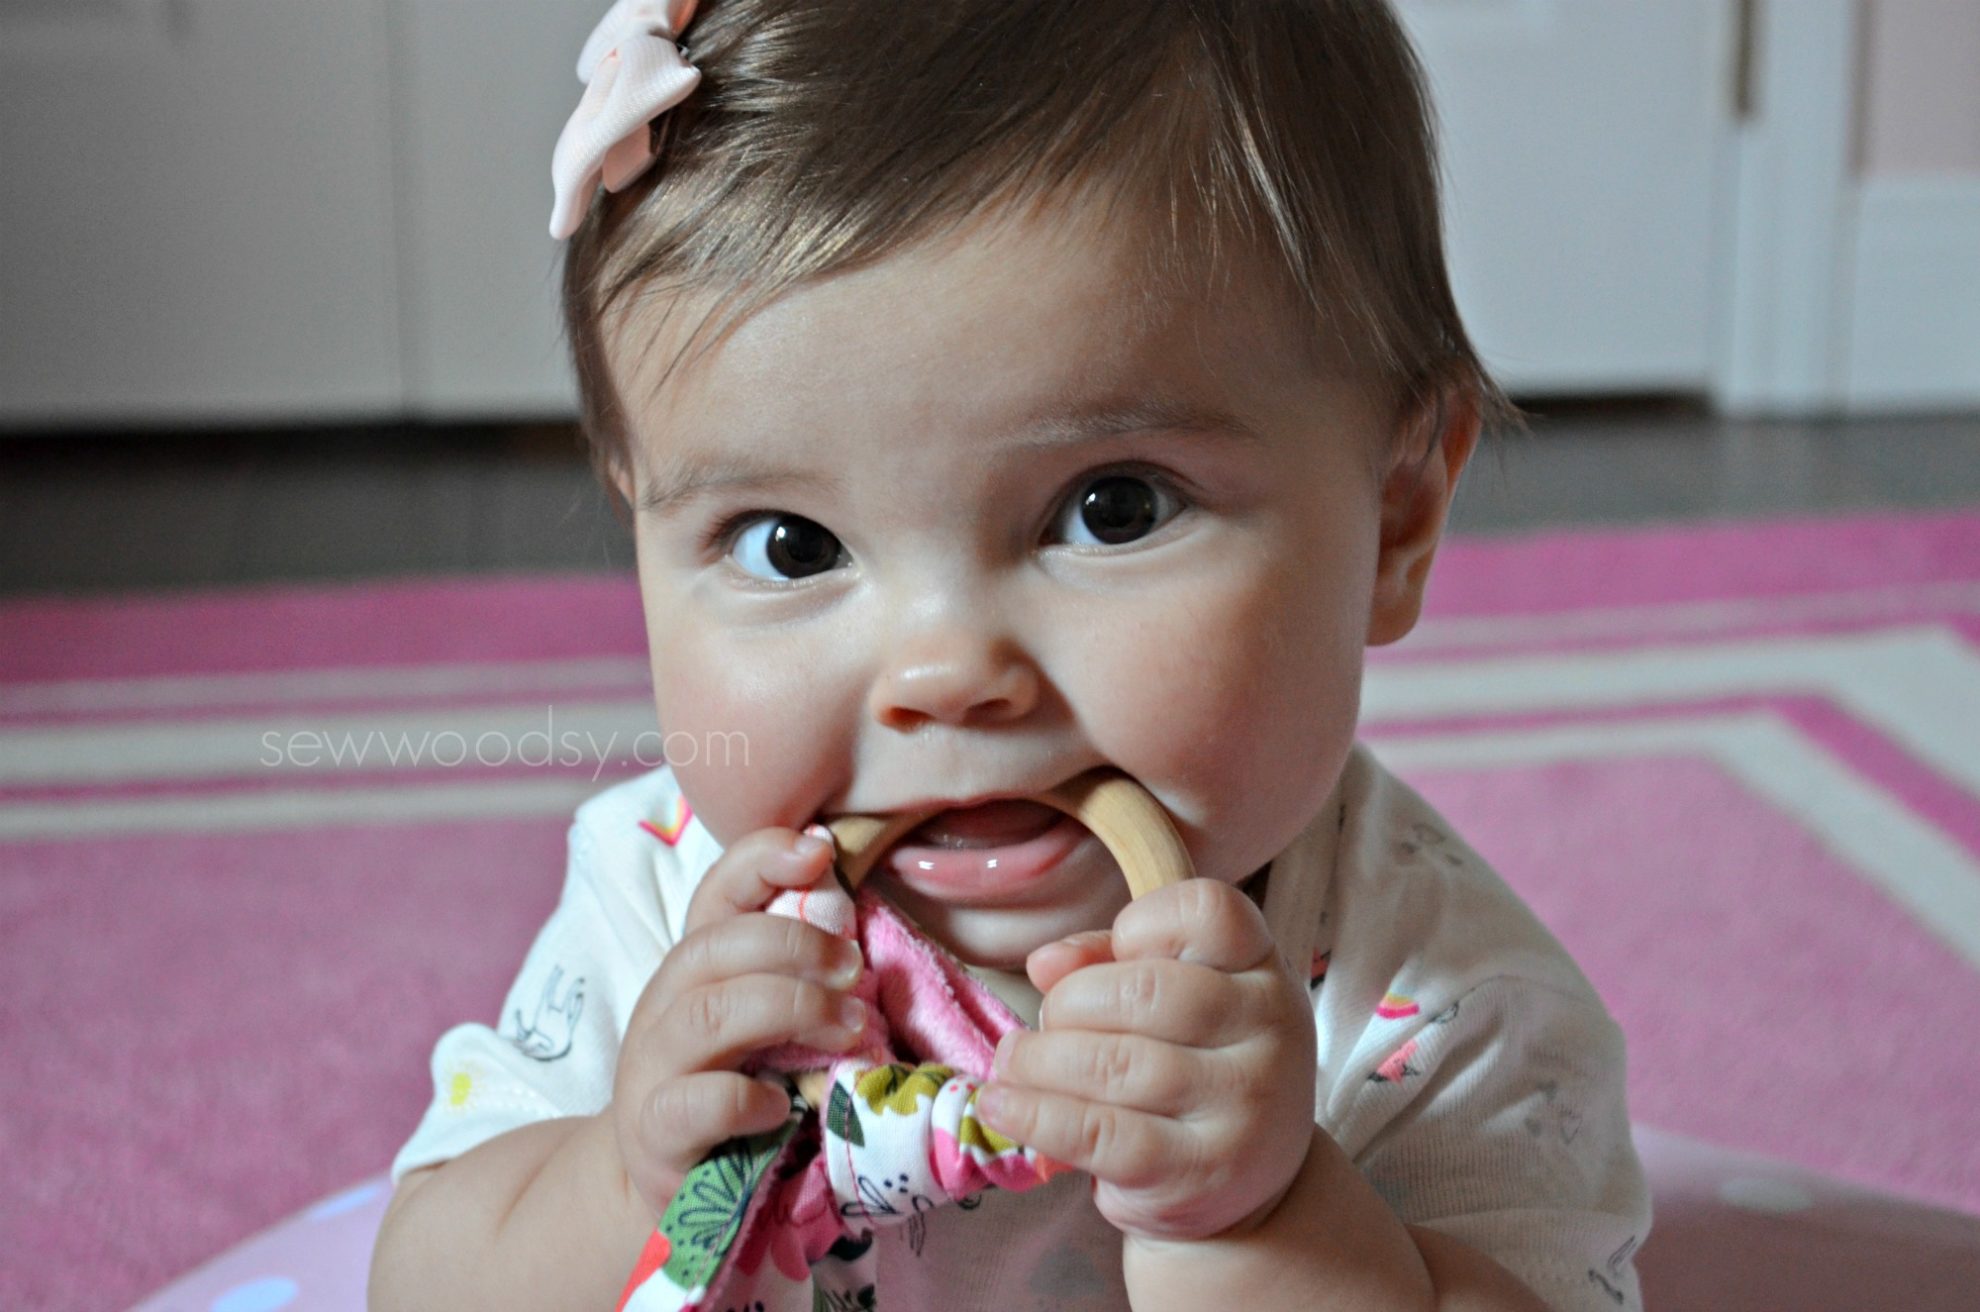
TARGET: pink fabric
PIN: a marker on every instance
(921, 1004)
(930, 1035)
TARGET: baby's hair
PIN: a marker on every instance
(828, 134)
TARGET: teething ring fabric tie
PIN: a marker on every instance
(883, 1135)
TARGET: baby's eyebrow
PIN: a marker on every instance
(1092, 421)
(682, 481)
(685, 479)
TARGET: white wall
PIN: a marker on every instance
(1920, 92)
(1913, 330)
(199, 226)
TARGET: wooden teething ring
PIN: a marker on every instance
(1119, 811)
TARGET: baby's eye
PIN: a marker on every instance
(790, 547)
(1117, 508)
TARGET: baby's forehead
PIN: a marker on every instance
(1049, 301)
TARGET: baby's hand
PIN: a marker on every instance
(738, 981)
(1173, 1061)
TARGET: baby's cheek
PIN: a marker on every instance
(1243, 723)
(724, 748)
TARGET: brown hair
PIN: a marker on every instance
(826, 134)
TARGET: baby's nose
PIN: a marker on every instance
(956, 678)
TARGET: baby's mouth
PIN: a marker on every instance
(986, 855)
(990, 824)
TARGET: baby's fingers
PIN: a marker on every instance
(1200, 921)
(1125, 1070)
(1157, 999)
(682, 1118)
(757, 867)
(758, 944)
(1126, 1148)
(1053, 962)
(716, 1025)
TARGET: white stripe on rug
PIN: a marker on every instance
(248, 747)
(1671, 619)
(1921, 686)
(231, 813)
(1927, 873)
(371, 683)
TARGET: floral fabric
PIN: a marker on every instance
(783, 1220)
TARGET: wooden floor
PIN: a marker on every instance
(94, 512)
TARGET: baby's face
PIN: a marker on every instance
(976, 519)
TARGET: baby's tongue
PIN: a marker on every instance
(993, 824)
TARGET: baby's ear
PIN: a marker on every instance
(618, 475)
(1438, 435)
(623, 484)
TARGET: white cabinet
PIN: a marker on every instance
(281, 210)
(485, 87)
(195, 211)
(1583, 147)
(278, 210)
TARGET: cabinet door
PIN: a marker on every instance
(195, 222)
(485, 87)
(1583, 150)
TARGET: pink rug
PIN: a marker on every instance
(1737, 768)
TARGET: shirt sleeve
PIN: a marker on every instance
(554, 1049)
(1501, 1121)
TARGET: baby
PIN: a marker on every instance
(1004, 389)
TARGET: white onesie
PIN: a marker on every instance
(1465, 1063)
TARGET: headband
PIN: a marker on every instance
(633, 72)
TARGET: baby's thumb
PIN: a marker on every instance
(1047, 965)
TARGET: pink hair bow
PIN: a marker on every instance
(633, 72)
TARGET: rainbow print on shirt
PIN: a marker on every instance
(670, 829)
(1396, 1006)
